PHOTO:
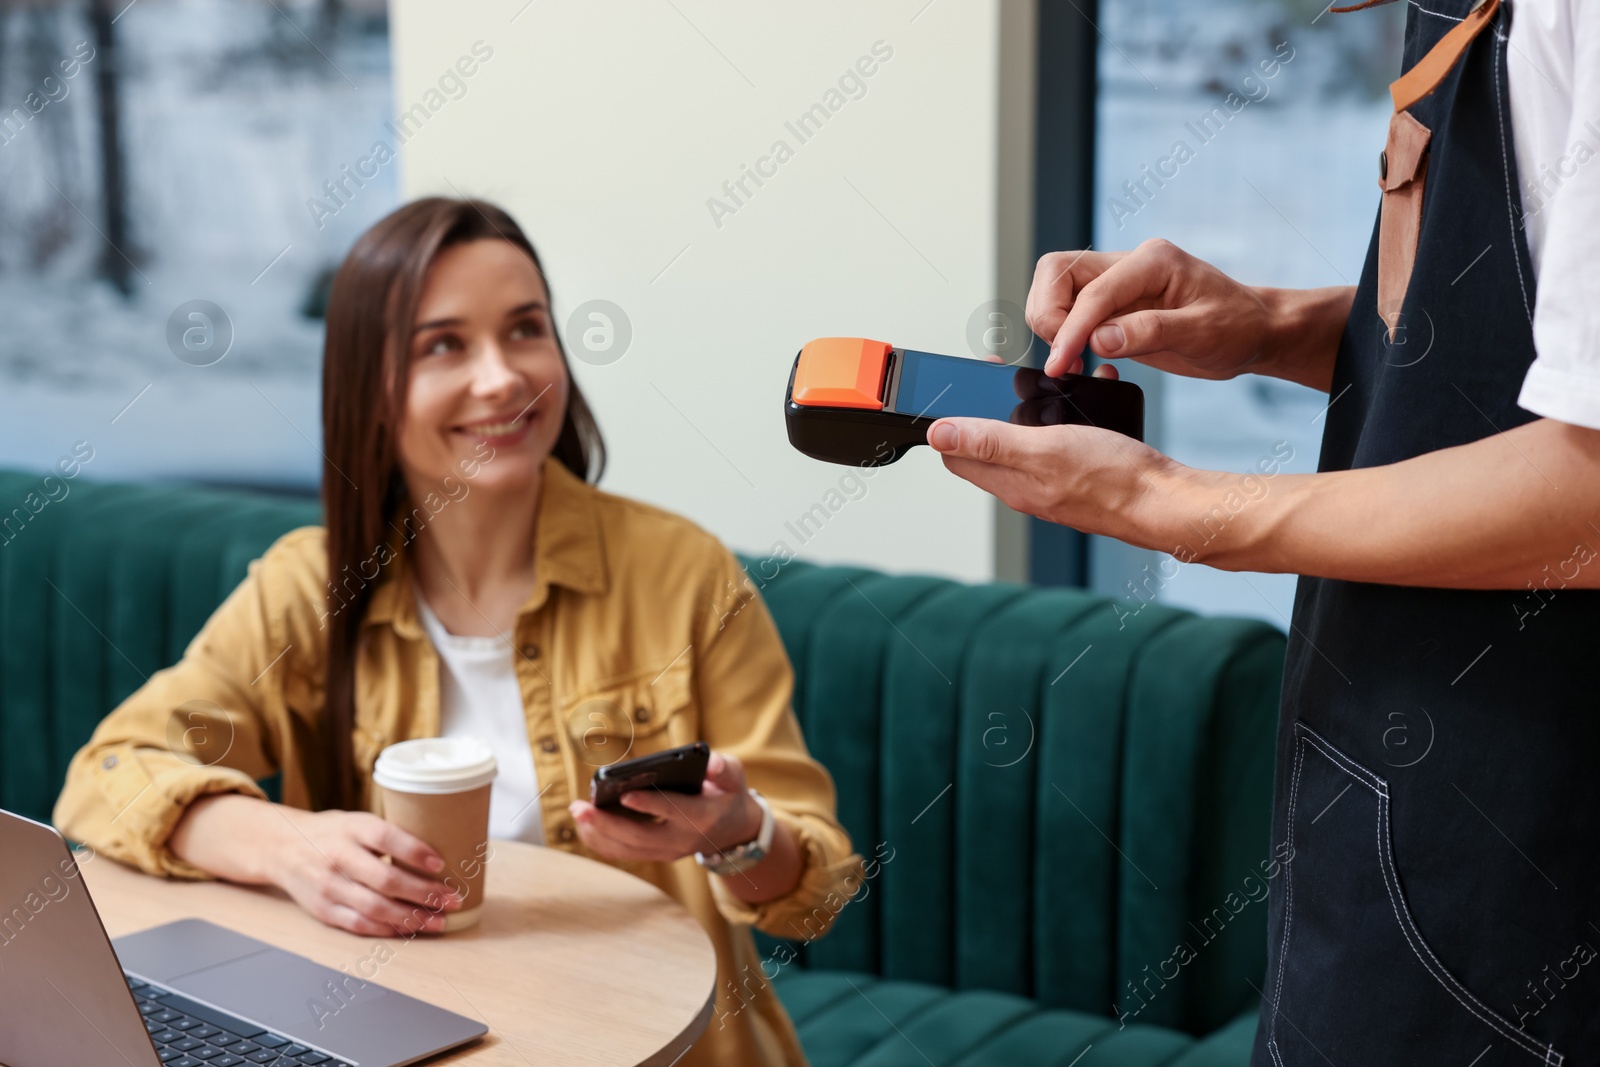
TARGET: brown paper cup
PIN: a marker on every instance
(438, 789)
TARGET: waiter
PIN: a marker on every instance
(1446, 911)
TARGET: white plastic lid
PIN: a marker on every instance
(435, 765)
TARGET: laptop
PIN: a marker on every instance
(187, 994)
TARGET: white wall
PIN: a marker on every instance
(605, 127)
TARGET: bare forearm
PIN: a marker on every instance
(1304, 337)
(227, 835)
(1518, 507)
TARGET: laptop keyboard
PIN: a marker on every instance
(187, 1034)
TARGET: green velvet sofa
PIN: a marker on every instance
(1066, 802)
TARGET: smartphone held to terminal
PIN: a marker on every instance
(675, 770)
(854, 400)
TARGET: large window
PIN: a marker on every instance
(1247, 132)
(180, 175)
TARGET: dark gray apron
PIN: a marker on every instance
(1438, 777)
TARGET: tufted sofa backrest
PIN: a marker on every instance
(1072, 794)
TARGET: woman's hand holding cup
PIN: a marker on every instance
(332, 864)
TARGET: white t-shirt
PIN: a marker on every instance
(479, 697)
(1553, 80)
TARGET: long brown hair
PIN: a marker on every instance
(366, 362)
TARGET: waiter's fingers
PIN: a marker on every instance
(1143, 333)
(1139, 276)
(983, 441)
(1057, 279)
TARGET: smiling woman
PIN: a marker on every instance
(470, 581)
(413, 292)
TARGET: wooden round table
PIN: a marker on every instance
(574, 962)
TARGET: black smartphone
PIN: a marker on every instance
(852, 400)
(676, 770)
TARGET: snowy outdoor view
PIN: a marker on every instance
(1277, 187)
(174, 164)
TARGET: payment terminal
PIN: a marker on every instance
(851, 400)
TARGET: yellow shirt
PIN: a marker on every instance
(642, 632)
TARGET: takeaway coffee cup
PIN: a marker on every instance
(438, 789)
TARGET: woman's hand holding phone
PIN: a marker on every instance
(723, 815)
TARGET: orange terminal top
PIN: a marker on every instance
(841, 372)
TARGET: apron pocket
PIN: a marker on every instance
(1402, 174)
(1356, 982)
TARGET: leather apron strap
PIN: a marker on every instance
(1430, 70)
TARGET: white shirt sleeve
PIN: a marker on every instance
(1553, 76)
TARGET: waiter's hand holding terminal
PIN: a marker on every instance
(864, 402)
(1162, 307)
(1472, 516)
